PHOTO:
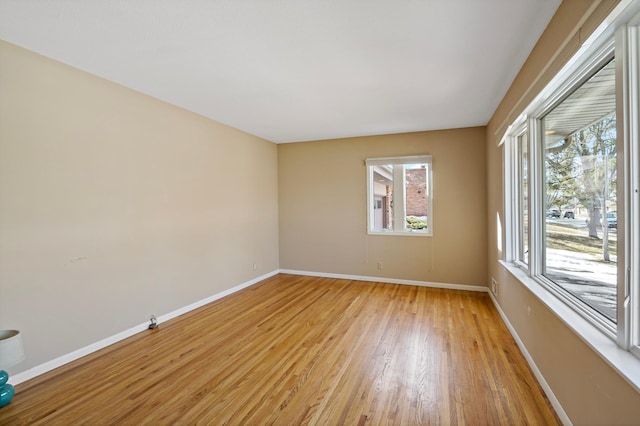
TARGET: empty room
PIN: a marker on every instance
(320, 212)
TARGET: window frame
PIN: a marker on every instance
(628, 108)
(399, 188)
(536, 187)
(518, 246)
(596, 61)
(619, 37)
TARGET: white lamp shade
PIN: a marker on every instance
(11, 350)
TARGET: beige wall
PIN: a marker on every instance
(590, 391)
(115, 206)
(323, 218)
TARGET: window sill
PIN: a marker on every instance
(624, 362)
(402, 234)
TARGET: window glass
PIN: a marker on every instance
(399, 195)
(523, 199)
(382, 197)
(415, 190)
(580, 193)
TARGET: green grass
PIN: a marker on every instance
(564, 237)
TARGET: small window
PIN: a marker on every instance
(399, 195)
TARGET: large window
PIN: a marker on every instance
(399, 195)
(572, 186)
(580, 232)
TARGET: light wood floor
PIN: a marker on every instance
(299, 350)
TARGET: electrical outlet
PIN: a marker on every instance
(255, 266)
(380, 265)
(494, 286)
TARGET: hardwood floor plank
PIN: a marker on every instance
(301, 350)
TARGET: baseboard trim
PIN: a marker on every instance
(77, 354)
(564, 418)
(465, 287)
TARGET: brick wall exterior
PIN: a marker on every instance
(416, 192)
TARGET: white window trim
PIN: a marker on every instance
(513, 221)
(398, 182)
(621, 350)
(593, 62)
(629, 105)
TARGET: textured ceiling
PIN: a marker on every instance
(296, 70)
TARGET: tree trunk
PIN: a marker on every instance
(605, 219)
(605, 236)
(594, 220)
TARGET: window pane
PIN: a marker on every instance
(382, 198)
(399, 195)
(415, 196)
(523, 207)
(580, 188)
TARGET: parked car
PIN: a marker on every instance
(612, 220)
(569, 215)
(553, 213)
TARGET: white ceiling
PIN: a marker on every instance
(296, 70)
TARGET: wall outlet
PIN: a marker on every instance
(380, 265)
(254, 266)
(494, 286)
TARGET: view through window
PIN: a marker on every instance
(580, 193)
(399, 195)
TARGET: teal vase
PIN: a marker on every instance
(6, 390)
(6, 393)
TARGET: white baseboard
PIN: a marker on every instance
(564, 418)
(465, 287)
(72, 356)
